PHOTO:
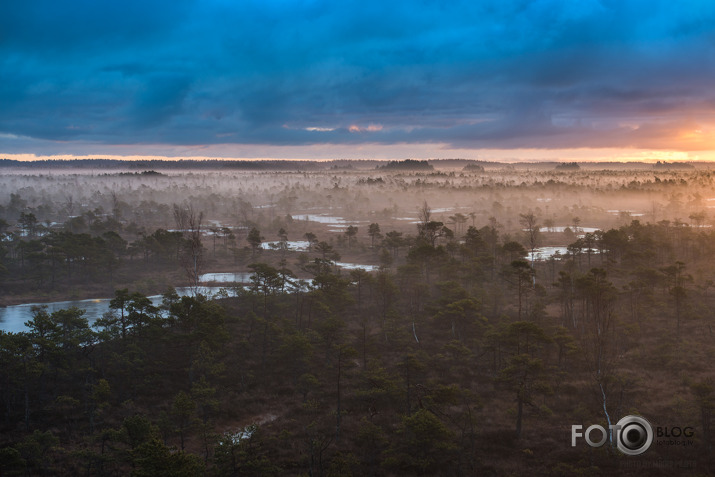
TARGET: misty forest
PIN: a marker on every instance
(351, 317)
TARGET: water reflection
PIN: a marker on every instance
(297, 245)
(355, 266)
(226, 277)
(13, 318)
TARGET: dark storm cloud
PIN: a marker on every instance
(498, 74)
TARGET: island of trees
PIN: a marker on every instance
(407, 165)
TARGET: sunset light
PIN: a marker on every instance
(190, 79)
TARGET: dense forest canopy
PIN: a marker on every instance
(353, 320)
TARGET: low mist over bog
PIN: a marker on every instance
(385, 317)
(233, 242)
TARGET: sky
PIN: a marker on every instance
(493, 80)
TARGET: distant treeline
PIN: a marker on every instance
(337, 164)
(154, 164)
(673, 165)
(142, 173)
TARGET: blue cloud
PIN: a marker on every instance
(545, 73)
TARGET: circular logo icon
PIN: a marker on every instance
(634, 435)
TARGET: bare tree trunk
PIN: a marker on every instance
(189, 224)
(608, 417)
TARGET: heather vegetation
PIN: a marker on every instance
(454, 321)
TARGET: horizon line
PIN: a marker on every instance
(138, 158)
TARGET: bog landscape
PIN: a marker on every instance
(353, 317)
(360, 238)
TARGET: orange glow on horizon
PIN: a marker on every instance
(328, 152)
